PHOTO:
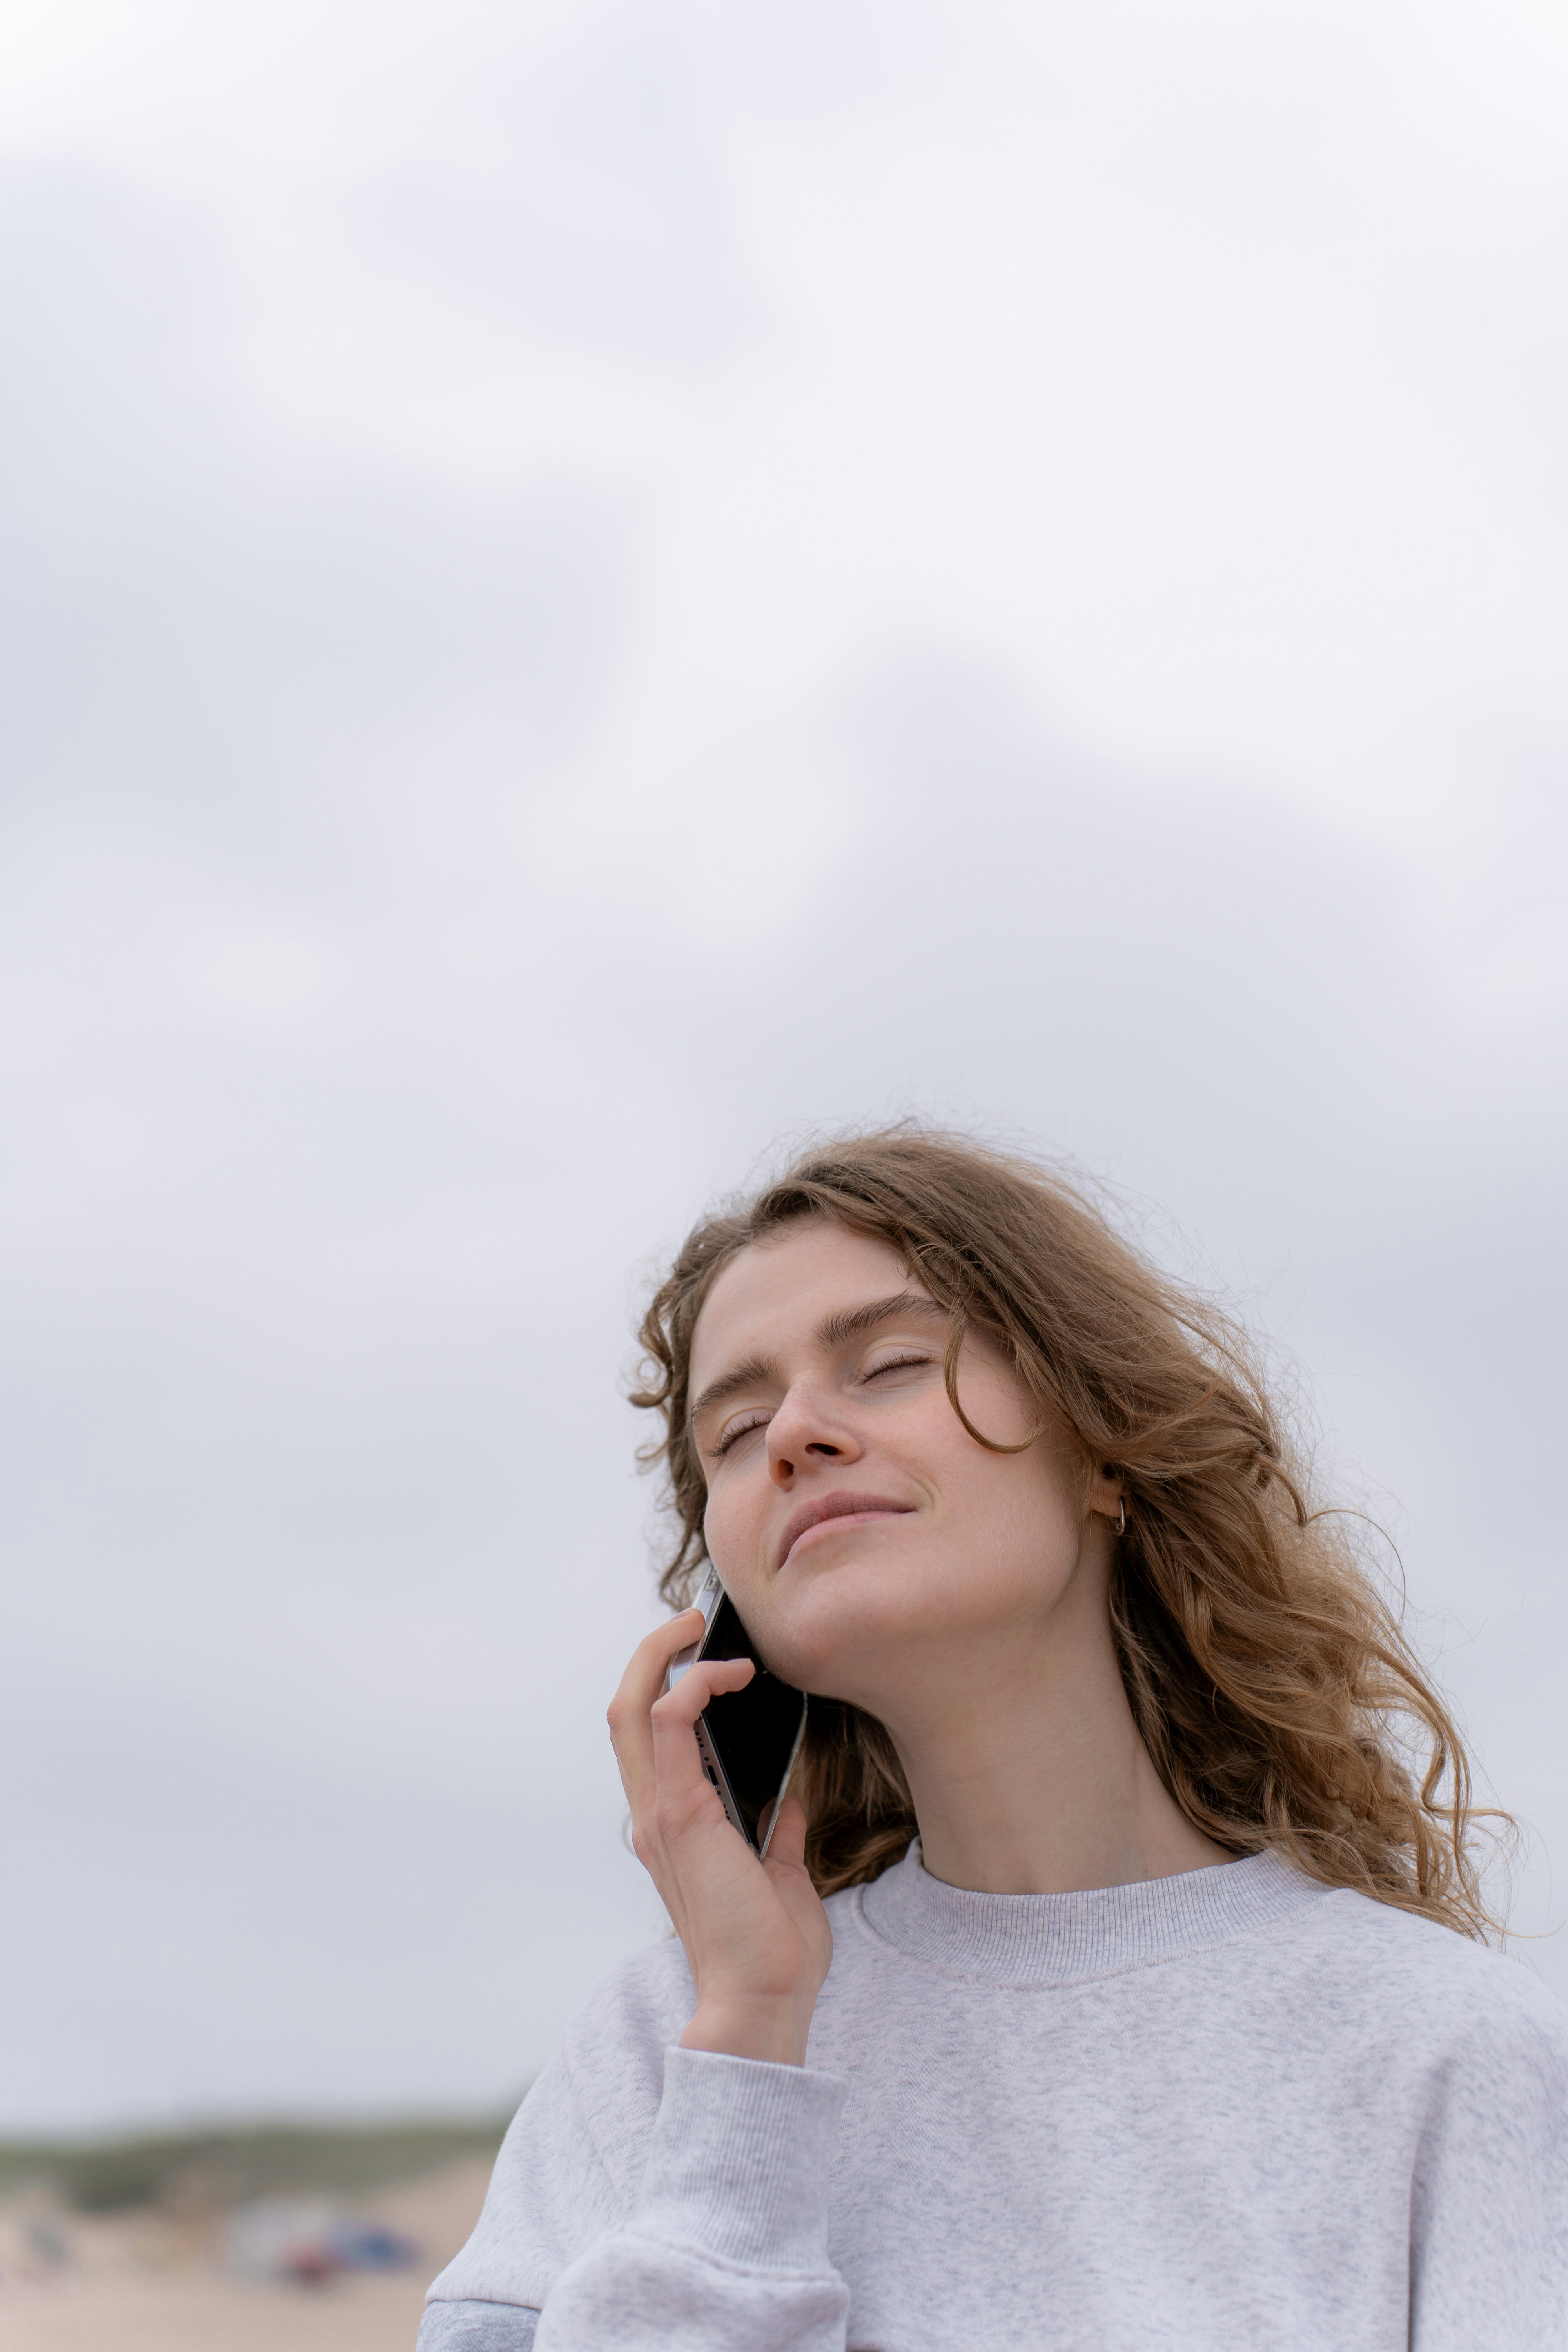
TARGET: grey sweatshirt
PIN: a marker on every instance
(1227, 2112)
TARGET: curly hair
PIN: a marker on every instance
(1272, 1684)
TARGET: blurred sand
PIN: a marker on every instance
(134, 2287)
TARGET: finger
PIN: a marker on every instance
(677, 1766)
(787, 1843)
(701, 1682)
(630, 1731)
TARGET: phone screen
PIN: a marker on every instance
(753, 1732)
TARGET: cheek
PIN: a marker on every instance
(1019, 1509)
(995, 1404)
(728, 1522)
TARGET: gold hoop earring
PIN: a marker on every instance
(1122, 1517)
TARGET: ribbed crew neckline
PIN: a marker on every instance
(1045, 1939)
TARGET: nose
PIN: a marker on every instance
(807, 1427)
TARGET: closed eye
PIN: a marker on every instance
(742, 1429)
(760, 1419)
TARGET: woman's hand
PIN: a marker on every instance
(755, 1932)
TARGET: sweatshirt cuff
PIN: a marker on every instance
(740, 2158)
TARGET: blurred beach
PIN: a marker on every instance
(197, 2268)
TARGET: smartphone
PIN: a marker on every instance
(748, 1739)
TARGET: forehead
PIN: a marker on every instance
(779, 1290)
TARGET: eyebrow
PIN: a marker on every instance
(846, 1323)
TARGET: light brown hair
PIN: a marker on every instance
(1272, 1684)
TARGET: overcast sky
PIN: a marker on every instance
(589, 588)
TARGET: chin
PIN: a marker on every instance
(842, 1620)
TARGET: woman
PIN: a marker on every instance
(1111, 1982)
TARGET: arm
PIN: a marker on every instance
(713, 2237)
(470, 2326)
(726, 2249)
(1488, 2240)
(724, 2246)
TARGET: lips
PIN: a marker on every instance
(840, 1505)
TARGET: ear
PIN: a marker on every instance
(1109, 1493)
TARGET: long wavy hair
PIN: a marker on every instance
(1271, 1681)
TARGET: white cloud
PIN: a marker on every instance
(588, 588)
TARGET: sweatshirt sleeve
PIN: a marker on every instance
(726, 2249)
(653, 2198)
(1489, 2251)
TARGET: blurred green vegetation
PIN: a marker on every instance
(223, 2166)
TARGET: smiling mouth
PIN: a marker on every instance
(835, 1511)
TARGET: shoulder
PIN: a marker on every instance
(841, 1908)
(650, 1985)
(1451, 1994)
(571, 2160)
(617, 2036)
(597, 2099)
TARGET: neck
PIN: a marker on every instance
(1027, 1772)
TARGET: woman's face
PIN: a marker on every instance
(867, 1537)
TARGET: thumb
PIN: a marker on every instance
(787, 1843)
